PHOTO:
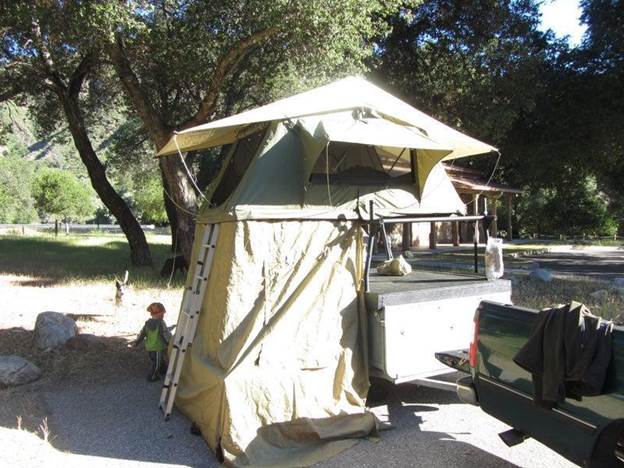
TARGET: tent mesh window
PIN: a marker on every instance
(237, 165)
(355, 164)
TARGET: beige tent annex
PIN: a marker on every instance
(277, 373)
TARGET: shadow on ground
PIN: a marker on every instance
(97, 402)
(409, 443)
(122, 421)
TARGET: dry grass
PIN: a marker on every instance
(536, 294)
(91, 306)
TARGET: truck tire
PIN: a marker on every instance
(378, 390)
(609, 449)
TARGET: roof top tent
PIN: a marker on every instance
(278, 370)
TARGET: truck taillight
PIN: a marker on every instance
(472, 357)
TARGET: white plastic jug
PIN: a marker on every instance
(494, 267)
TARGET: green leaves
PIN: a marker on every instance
(59, 194)
(16, 203)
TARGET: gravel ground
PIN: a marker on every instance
(432, 428)
(119, 425)
(121, 422)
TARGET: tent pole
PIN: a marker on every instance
(475, 241)
(369, 247)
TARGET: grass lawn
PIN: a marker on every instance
(81, 258)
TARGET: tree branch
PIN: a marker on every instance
(80, 73)
(225, 65)
(46, 58)
(158, 130)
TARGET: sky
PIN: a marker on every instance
(562, 16)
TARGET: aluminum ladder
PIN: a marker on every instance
(189, 315)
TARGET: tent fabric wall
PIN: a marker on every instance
(275, 186)
(277, 373)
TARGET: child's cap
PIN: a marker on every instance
(156, 308)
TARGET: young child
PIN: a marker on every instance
(156, 336)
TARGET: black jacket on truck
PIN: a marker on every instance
(568, 354)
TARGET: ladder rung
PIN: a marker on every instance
(190, 310)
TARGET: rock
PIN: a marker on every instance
(618, 292)
(15, 370)
(541, 274)
(600, 296)
(85, 342)
(53, 329)
(618, 282)
(395, 267)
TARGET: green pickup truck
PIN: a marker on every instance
(588, 432)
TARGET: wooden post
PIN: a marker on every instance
(433, 236)
(407, 236)
(509, 227)
(455, 233)
(494, 225)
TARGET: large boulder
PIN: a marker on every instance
(15, 370)
(53, 329)
(600, 297)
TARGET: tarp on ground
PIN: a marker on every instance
(277, 373)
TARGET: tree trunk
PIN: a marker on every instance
(139, 250)
(179, 188)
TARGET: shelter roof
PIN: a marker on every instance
(347, 94)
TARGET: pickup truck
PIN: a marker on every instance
(588, 432)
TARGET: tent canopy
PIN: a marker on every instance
(350, 93)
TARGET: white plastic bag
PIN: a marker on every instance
(494, 267)
(395, 267)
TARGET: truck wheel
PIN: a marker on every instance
(378, 390)
(609, 449)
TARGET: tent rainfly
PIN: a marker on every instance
(277, 374)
